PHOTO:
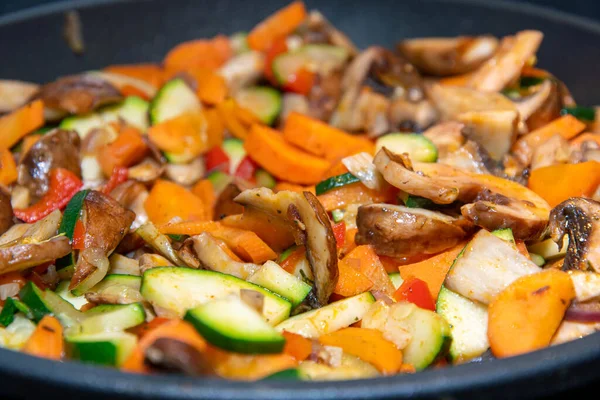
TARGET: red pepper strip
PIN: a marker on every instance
(415, 291)
(78, 235)
(217, 159)
(246, 169)
(278, 47)
(119, 175)
(301, 82)
(339, 231)
(63, 184)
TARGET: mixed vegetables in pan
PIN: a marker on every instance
(283, 204)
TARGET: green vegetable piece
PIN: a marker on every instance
(583, 113)
(33, 297)
(11, 307)
(335, 182)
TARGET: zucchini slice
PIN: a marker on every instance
(271, 276)
(330, 318)
(173, 99)
(418, 147)
(106, 348)
(231, 324)
(178, 289)
(110, 318)
(335, 182)
(262, 101)
(234, 148)
(11, 307)
(63, 291)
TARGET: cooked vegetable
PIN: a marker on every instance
(335, 182)
(271, 276)
(14, 126)
(418, 147)
(263, 101)
(277, 25)
(558, 183)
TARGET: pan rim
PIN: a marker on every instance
(462, 378)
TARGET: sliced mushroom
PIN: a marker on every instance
(148, 261)
(148, 170)
(225, 204)
(579, 218)
(448, 56)
(120, 81)
(186, 174)
(506, 65)
(293, 102)
(22, 256)
(243, 70)
(398, 231)
(394, 71)
(320, 30)
(554, 150)
(78, 94)
(362, 110)
(158, 241)
(6, 211)
(495, 130)
(324, 95)
(14, 94)
(527, 106)
(452, 101)
(311, 225)
(171, 355)
(549, 110)
(214, 258)
(405, 115)
(57, 149)
(106, 223)
(446, 136)
(470, 157)
(496, 202)
(132, 195)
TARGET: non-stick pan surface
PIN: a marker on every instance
(32, 48)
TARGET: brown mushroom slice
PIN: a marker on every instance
(451, 101)
(317, 23)
(186, 174)
(120, 81)
(506, 65)
(148, 261)
(579, 218)
(405, 115)
(14, 94)
(158, 241)
(325, 95)
(171, 355)
(106, 223)
(446, 136)
(495, 130)
(148, 170)
(78, 94)
(398, 231)
(549, 110)
(56, 149)
(527, 106)
(470, 157)
(22, 256)
(6, 211)
(448, 56)
(213, 257)
(243, 70)
(554, 150)
(395, 71)
(311, 225)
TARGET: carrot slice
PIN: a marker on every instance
(150, 73)
(274, 232)
(432, 270)
(321, 139)
(168, 200)
(17, 124)
(350, 280)
(355, 193)
(215, 129)
(297, 346)
(567, 126)
(279, 24)
(279, 186)
(366, 260)
(46, 340)
(186, 133)
(267, 147)
(525, 315)
(248, 367)
(229, 115)
(368, 345)
(128, 149)
(557, 183)
(201, 53)
(8, 167)
(206, 192)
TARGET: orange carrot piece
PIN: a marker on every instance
(367, 261)
(201, 53)
(349, 242)
(150, 73)
(337, 168)
(206, 192)
(432, 270)
(567, 126)
(147, 327)
(17, 124)
(212, 88)
(279, 186)
(46, 340)
(186, 133)
(297, 346)
(289, 264)
(321, 139)
(368, 345)
(8, 167)
(174, 329)
(350, 280)
(534, 72)
(268, 148)
(248, 367)
(215, 128)
(557, 183)
(227, 112)
(457, 80)
(525, 315)
(355, 193)
(245, 244)
(129, 90)
(585, 137)
(128, 149)
(245, 116)
(522, 248)
(168, 200)
(280, 24)
(272, 231)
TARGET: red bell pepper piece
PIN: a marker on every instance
(246, 169)
(216, 159)
(415, 291)
(301, 82)
(339, 231)
(119, 175)
(63, 184)
(278, 47)
(78, 236)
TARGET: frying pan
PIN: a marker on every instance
(32, 48)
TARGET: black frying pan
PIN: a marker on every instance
(32, 48)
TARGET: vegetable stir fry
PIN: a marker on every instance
(281, 204)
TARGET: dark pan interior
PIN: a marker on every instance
(32, 48)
